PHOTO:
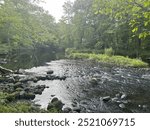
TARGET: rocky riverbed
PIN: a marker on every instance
(81, 86)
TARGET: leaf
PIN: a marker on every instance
(135, 29)
(145, 23)
(146, 4)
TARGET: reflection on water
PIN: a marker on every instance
(30, 57)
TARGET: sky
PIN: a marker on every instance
(54, 7)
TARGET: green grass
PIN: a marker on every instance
(20, 106)
(115, 60)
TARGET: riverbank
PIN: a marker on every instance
(114, 59)
(17, 93)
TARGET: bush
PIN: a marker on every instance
(109, 52)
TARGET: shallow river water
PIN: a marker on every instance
(88, 83)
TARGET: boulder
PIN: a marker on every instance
(50, 72)
(50, 106)
(56, 104)
(54, 100)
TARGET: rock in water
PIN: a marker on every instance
(77, 109)
(118, 95)
(94, 81)
(56, 104)
(106, 99)
(50, 72)
(122, 106)
(124, 96)
(67, 110)
(54, 100)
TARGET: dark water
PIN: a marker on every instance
(28, 57)
(78, 91)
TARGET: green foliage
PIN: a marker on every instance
(115, 60)
(109, 52)
(25, 25)
(99, 24)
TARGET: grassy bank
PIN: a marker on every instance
(116, 60)
(20, 106)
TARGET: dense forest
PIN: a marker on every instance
(89, 25)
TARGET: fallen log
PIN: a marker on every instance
(5, 71)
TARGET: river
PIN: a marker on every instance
(88, 83)
(89, 86)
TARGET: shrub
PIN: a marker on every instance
(109, 52)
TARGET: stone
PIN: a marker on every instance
(94, 81)
(42, 77)
(125, 101)
(19, 89)
(35, 80)
(22, 94)
(118, 95)
(11, 80)
(106, 99)
(56, 104)
(54, 100)
(124, 96)
(29, 96)
(62, 78)
(77, 109)
(115, 99)
(67, 110)
(27, 89)
(38, 91)
(122, 106)
(50, 72)
(144, 106)
(18, 85)
(50, 106)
